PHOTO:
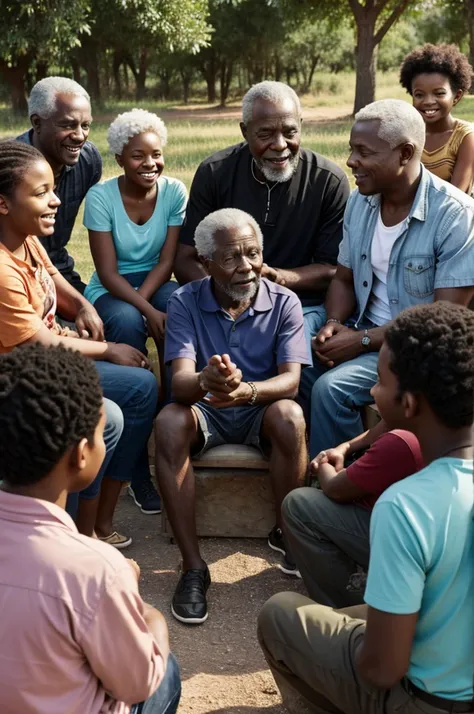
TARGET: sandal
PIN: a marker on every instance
(118, 541)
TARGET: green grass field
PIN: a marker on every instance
(191, 138)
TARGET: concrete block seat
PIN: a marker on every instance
(234, 498)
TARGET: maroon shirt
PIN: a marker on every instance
(391, 458)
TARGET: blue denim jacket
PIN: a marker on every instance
(435, 251)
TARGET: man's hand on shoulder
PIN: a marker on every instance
(272, 274)
(336, 343)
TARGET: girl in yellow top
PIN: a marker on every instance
(437, 77)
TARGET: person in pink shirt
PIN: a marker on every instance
(75, 635)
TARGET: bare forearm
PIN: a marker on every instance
(283, 386)
(89, 348)
(187, 266)
(158, 628)
(186, 389)
(340, 300)
(308, 277)
(70, 300)
(326, 473)
(157, 277)
(367, 438)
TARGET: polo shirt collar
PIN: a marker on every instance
(25, 509)
(207, 301)
(419, 208)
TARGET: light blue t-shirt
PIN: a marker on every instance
(422, 560)
(137, 247)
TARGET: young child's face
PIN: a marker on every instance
(386, 392)
(93, 454)
(433, 96)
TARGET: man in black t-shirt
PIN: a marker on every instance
(296, 196)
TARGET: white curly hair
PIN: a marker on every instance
(399, 122)
(271, 91)
(222, 220)
(42, 99)
(130, 124)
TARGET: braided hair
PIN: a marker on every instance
(50, 399)
(437, 59)
(432, 354)
(15, 158)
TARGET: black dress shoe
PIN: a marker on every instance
(189, 600)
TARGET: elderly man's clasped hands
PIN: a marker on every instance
(222, 380)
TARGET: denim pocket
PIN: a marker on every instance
(418, 275)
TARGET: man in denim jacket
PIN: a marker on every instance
(408, 239)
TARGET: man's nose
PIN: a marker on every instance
(279, 142)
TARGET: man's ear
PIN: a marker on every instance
(406, 153)
(36, 123)
(243, 129)
(78, 458)
(119, 160)
(205, 262)
(3, 205)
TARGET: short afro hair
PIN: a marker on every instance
(130, 124)
(437, 59)
(432, 354)
(50, 399)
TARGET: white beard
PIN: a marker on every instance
(277, 175)
(243, 294)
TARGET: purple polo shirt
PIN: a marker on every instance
(269, 333)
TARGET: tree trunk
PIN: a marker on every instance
(469, 6)
(116, 62)
(76, 70)
(225, 80)
(15, 79)
(278, 68)
(365, 64)
(41, 70)
(141, 76)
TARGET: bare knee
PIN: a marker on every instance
(175, 429)
(284, 423)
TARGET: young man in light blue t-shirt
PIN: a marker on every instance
(412, 649)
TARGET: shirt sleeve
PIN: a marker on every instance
(396, 577)
(330, 231)
(390, 459)
(120, 649)
(181, 341)
(455, 251)
(178, 204)
(97, 211)
(291, 342)
(202, 201)
(18, 319)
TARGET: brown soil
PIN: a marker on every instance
(222, 668)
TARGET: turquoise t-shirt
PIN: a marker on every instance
(422, 560)
(137, 247)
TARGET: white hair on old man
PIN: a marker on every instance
(399, 121)
(222, 220)
(42, 99)
(274, 92)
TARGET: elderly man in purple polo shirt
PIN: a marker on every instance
(236, 344)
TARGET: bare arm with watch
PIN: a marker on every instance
(220, 384)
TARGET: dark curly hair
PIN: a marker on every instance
(439, 59)
(50, 399)
(15, 158)
(432, 354)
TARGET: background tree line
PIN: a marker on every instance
(172, 49)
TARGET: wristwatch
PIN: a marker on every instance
(366, 340)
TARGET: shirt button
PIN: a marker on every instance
(365, 283)
(233, 328)
(363, 256)
(410, 265)
(420, 267)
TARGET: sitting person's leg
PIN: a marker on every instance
(311, 651)
(336, 399)
(328, 540)
(160, 299)
(123, 323)
(135, 390)
(166, 698)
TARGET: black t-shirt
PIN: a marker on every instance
(304, 221)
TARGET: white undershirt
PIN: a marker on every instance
(378, 309)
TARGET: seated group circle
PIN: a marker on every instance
(280, 304)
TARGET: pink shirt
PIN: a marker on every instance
(73, 639)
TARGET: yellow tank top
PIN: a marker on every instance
(441, 161)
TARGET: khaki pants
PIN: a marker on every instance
(311, 651)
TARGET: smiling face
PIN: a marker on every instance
(274, 136)
(433, 96)
(374, 164)
(142, 159)
(61, 137)
(31, 208)
(237, 262)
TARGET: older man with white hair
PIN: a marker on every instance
(296, 196)
(236, 344)
(408, 239)
(60, 114)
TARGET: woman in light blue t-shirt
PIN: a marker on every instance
(134, 222)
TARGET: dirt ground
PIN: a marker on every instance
(222, 668)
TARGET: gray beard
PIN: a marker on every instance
(275, 174)
(237, 294)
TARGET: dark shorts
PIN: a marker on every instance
(234, 425)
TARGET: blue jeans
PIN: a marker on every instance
(135, 390)
(314, 317)
(112, 433)
(166, 698)
(335, 397)
(122, 321)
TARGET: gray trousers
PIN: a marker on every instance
(311, 650)
(330, 543)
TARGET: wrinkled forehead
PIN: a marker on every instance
(73, 105)
(274, 112)
(241, 237)
(365, 133)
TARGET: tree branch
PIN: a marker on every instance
(356, 8)
(382, 31)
